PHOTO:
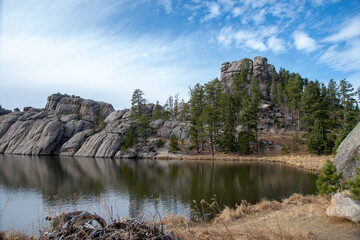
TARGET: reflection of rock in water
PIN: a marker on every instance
(176, 182)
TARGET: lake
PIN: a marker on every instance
(32, 187)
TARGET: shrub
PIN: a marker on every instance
(317, 141)
(354, 184)
(173, 144)
(159, 143)
(284, 149)
(328, 180)
(296, 142)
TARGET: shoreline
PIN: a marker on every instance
(303, 161)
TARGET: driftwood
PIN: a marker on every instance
(80, 225)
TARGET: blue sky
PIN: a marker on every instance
(105, 49)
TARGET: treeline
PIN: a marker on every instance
(228, 120)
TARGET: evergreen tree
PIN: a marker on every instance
(197, 106)
(157, 111)
(255, 102)
(212, 112)
(312, 105)
(137, 103)
(143, 126)
(354, 184)
(228, 138)
(209, 119)
(130, 138)
(173, 144)
(274, 93)
(176, 106)
(248, 119)
(333, 102)
(317, 141)
(184, 113)
(294, 88)
(328, 180)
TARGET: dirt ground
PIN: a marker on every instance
(297, 217)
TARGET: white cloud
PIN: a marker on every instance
(237, 11)
(344, 60)
(260, 17)
(262, 39)
(167, 5)
(303, 42)
(276, 45)
(350, 29)
(214, 10)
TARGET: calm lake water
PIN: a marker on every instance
(32, 188)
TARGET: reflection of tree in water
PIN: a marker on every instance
(176, 182)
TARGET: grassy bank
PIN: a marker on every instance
(306, 161)
(294, 218)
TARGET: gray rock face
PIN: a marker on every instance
(73, 105)
(229, 70)
(157, 123)
(345, 157)
(259, 68)
(74, 143)
(116, 115)
(344, 207)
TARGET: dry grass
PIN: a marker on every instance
(14, 235)
(296, 217)
(305, 161)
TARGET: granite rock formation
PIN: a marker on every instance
(345, 157)
(259, 68)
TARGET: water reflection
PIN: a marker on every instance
(138, 182)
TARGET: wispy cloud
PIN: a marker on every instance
(276, 45)
(349, 30)
(347, 59)
(167, 5)
(214, 10)
(263, 39)
(303, 42)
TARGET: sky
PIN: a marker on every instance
(105, 49)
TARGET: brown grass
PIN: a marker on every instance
(296, 217)
(14, 235)
(305, 161)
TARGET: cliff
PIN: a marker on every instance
(72, 126)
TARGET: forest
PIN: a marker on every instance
(326, 112)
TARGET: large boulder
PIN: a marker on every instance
(259, 68)
(344, 207)
(345, 157)
(66, 104)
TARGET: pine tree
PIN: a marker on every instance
(328, 180)
(317, 141)
(137, 103)
(294, 88)
(313, 105)
(248, 119)
(176, 106)
(255, 102)
(197, 106)
(354, 184)
(157, 111)
(173, 144)
(130, 138)
(143, 126)
(209, 119)
(274, 93)
(334, 102)
(228, 139)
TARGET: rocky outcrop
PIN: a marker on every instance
(345, 157)
(259, 68)
(66, 104)
(344, 207)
